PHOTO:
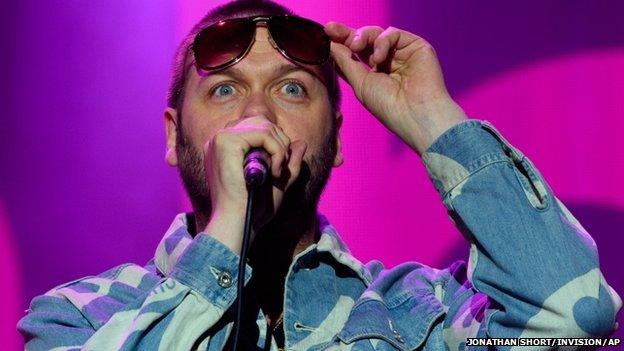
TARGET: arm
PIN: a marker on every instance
(130, 307)
(533, 268)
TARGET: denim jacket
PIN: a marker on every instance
(532, 272)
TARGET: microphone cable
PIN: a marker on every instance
(241, 267)
(255, 170)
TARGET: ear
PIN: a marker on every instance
(171, 122)
(339, 159)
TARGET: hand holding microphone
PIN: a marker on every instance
(224, 161)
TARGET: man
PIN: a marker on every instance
(253, 78)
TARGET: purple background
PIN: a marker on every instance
(84, 185)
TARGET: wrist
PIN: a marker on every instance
(434, 118)
(227, 227)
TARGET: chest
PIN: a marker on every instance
(326, 309)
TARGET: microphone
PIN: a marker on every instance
(256, 167)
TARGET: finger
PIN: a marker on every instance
(391, 39)
(297, 150)
(261, 121)
(273, 129)
(283, 137)
(262, 137)
(353, 70)
(340, 33)
(365, 37)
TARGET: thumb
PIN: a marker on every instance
(352, 69)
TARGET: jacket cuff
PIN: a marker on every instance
(211, 268)
(464, 149)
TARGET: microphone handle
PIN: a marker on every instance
(256, 166)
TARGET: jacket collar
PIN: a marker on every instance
(331, 243)
(173, 244)
(394, 323)
(178, 237)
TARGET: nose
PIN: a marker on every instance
(259, 105)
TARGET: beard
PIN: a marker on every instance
(300, 201)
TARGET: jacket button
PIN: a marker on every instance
(224, 279)
(398, 337)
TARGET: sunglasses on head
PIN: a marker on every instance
(226, 42)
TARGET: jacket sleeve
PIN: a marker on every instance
(132, 308)
(533, 269)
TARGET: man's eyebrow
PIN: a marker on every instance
(285, 69)
(231, 71)
(281, 70)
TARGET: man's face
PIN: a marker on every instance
(263, 83)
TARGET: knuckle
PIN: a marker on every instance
(219, 138)
(422, 42)
(268, 126)
(382, 38)
(429, 48)
(215, 143)
(390, 33)
(369, 31)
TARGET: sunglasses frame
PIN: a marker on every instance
(263, 20)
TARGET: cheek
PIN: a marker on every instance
(201, 122)
(313, 133)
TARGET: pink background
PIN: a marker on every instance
(84, 185)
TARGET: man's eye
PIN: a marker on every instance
(223, 90)
(294, 89)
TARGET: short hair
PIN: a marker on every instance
(234, 9)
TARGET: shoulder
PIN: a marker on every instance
(71, 312)
(98, 297)
(407, 302)
(129, 275)
(415, 290)
(415, 277)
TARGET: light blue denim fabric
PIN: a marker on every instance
(532, 272)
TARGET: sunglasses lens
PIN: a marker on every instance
(222, 43)
(302, 40)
